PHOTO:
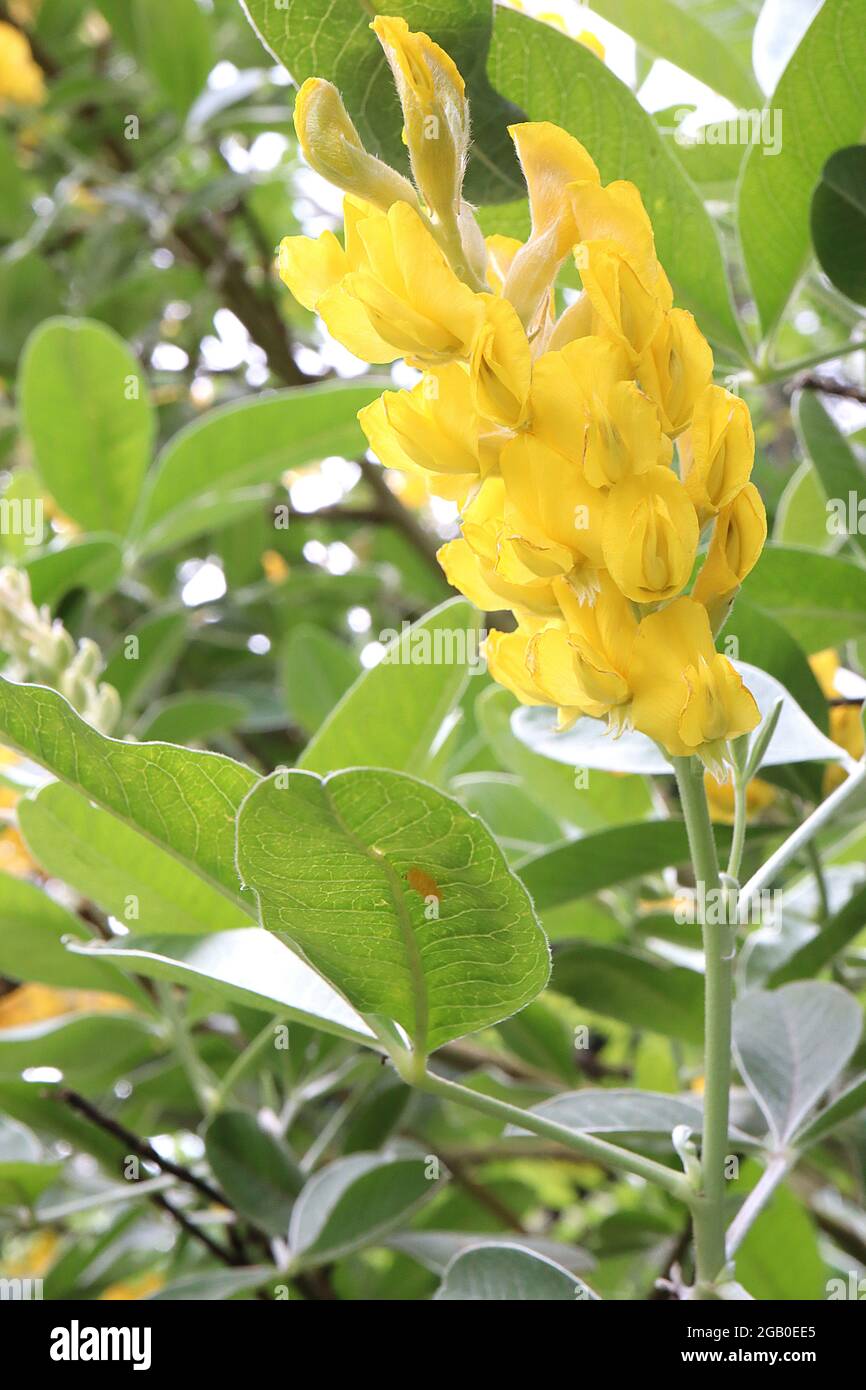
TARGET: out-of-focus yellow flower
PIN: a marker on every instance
(846, 720)
(592, 42)
(720, 797)
(687, 697)
(275, 567)
(33, 1257)
(139, 1286)
(738, 539)
(650, 535)
(676, 368)
(21, 79)
(14, 855)
(34, 1003)
(718, 451)
(24, 11)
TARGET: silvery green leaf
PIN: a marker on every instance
(790, 1045)
(495, 1272)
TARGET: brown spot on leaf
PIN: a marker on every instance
(422, 882)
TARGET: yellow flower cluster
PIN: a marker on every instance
(21, 79)
(589, 453)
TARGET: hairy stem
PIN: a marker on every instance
(709, 1217)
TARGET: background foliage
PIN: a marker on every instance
(188, 1109)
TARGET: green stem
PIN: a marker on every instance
(243, 1062)
(775, 1172)
(814, 857)
(200, 1078)
(599, 1150)
(824, 814)
(774, 372)
(709, 1209)
(738, 838)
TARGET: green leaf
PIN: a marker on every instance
(256, 1174)
(214, 1285)
(634, 989)
(494, 1271)
(24, 1173)
(354, 1202)
(86, 410)
(584, 866)
(711, 39)
(30, 291)
(247, 966)
(599, 1111)
(393, 713)
(314, 38)
(399, 897)
(174, 40)
(790, 1045)
(826, 944)
(851, 1102)
(519, 824)
(436, 1249)
(604, 800)
(191, 717)
(555, 79)
(225, 464)
(93, 563)
(80, 1045)
(15, 210)
(111, 864)
(820, 599)
(33, 928)
(801, 513)
(23, 488)
(779, 1258)
(761, 640)
(181, 800)
(838, 221)
(818, 105)
(134, 669)
(317, 671)
(836, 464)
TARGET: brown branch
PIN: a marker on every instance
(228, 1257)
(813, 381)
(140, 1147)
(394, 512)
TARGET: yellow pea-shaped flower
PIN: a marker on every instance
(718, 451)
(686, 696)
(650, 536)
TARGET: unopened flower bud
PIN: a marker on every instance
(333, 147)
(435, 113)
